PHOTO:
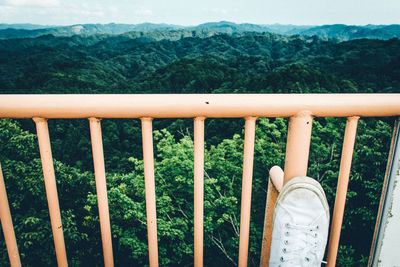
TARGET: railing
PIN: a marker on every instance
(301, 109)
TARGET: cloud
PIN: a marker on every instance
(216, 10)
(142, 11)
(36, 3)
(113, 9)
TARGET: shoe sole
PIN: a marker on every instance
(307, 183)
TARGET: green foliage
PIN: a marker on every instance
(251, 62)
(241, 63)
(366, 177)
(174, 191)
(24, 182)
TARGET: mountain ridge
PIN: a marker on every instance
(335, 31)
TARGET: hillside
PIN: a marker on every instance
(8, 31)
(340, 32)
(122, 63)
(24, 26)
(345, 32)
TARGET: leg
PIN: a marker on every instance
(300, 222)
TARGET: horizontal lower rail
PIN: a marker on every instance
(201, 105)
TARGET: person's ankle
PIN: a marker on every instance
(276, 176)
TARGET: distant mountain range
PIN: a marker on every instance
(336, 31)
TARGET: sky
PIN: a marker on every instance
(188, 12)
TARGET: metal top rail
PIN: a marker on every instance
(198, 105)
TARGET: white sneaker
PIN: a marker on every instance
(300, 224)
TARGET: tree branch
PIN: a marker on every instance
(220, 245)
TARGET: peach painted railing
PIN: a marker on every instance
(301, 109)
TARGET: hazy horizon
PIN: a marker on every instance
(164, 23)
(191, 13)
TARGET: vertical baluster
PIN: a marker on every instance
(272, 196)
(51, 189)
(296, 161)
(7, 225)
(248, 156)
(298, 145)
(148, 158)
(198, 190)
(385, 190)
(101, 189)
(341, 191)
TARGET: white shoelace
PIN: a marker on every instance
(305, 238)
